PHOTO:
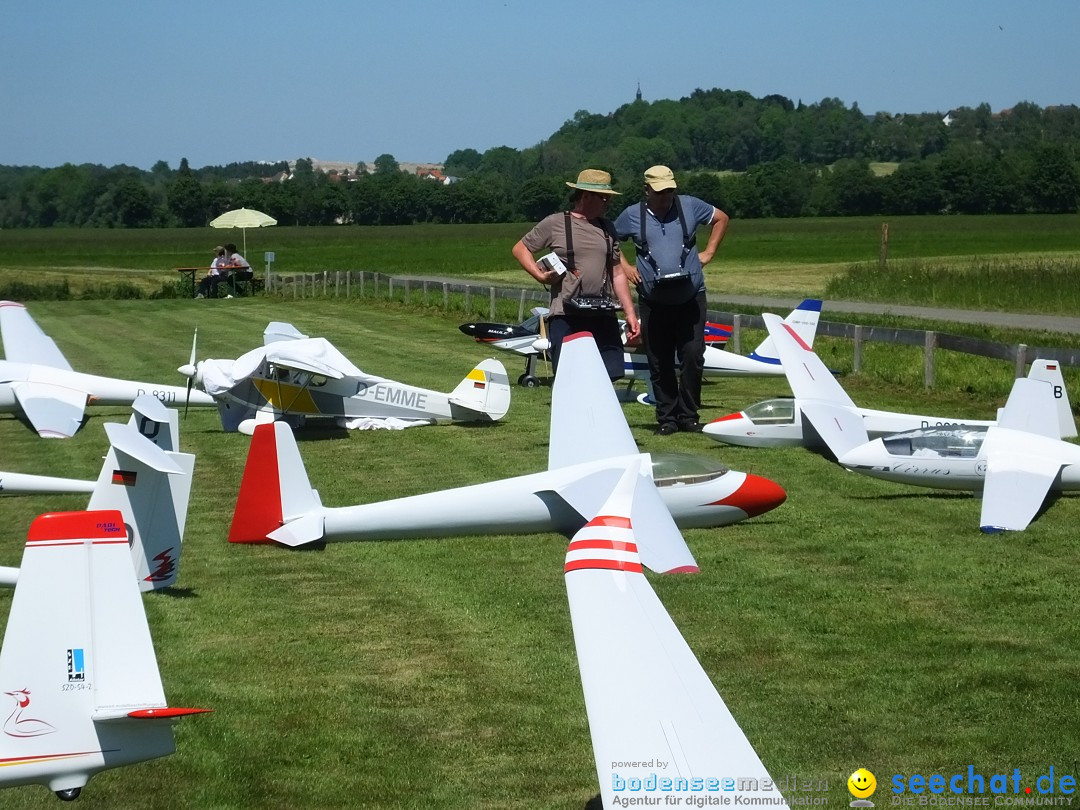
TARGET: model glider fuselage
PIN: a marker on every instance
(952, 457)
(779, 423)
(527, 504)
(98, 390)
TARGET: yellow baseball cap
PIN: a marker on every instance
(660, 177)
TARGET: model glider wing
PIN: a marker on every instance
(53, 410)
(24, 342)
(806, 374)
(1020, 469)
(587, 422)
(840, 428)
(654, 715)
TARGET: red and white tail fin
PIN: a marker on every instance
(485, 391)
(803, 321)
(276, 502)
(1050, 371)
(149, 482)
(78, 672)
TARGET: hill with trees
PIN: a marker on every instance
(754, 157)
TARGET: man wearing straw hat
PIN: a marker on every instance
(585, 274)
(670, 279)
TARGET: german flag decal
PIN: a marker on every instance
(123, 478)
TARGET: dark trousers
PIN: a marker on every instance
(675, 333)
(605, 331)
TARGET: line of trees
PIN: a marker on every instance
(765, 157)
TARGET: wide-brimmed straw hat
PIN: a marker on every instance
(594, 180)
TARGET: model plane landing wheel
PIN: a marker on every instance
(528, 381)
(69, 795)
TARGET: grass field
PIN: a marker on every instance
(795, 257)
(861, 624)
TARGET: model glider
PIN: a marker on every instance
(782, 422)
(526, 339)
(587, 454)
(77, 668)
(148, 481)
(37, 381)
(294, 377)
(1014, 462)
(659, 728)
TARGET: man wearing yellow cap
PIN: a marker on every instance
(670, 280)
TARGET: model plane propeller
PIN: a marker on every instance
(590, 447)
(148, 481)
(77, 667)
(295, 377)
(1014, 462)
(659, 727)
(37, 381)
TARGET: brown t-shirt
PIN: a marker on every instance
(594, 252)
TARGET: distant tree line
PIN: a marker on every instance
(766, 157)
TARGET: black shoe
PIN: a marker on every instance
(667, 429)
(690, 426)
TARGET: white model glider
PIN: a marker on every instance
(77, 668)
(148, 480)
(295, 377)
(590, 447)
(37, 381)
(782, 422)
(1015, 462)
(659, 728)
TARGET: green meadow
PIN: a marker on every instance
(792, 257)
(861, 624)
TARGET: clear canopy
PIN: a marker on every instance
(772, 412)
(939, 442)
(669, 469)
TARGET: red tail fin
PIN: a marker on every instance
(258, 506)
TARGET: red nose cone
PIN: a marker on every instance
(729, 417)
(756, 496)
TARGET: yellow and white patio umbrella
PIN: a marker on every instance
(243, 218)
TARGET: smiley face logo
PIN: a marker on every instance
(862, 784)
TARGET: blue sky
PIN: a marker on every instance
(125, 81)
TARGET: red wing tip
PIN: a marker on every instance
(97, 525)
(575, 336)
(165, 712)
(684, 569)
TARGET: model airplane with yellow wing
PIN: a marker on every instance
(293, 377)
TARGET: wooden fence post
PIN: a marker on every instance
(928, 359)
(468, 299)
(883, 254)
(521, 307)
(736, 333)
(856, 365)
(424, 287)
(1021, 359)
(445, 296)
(492, 308)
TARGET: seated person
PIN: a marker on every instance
(239, 264)
(219, 270)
